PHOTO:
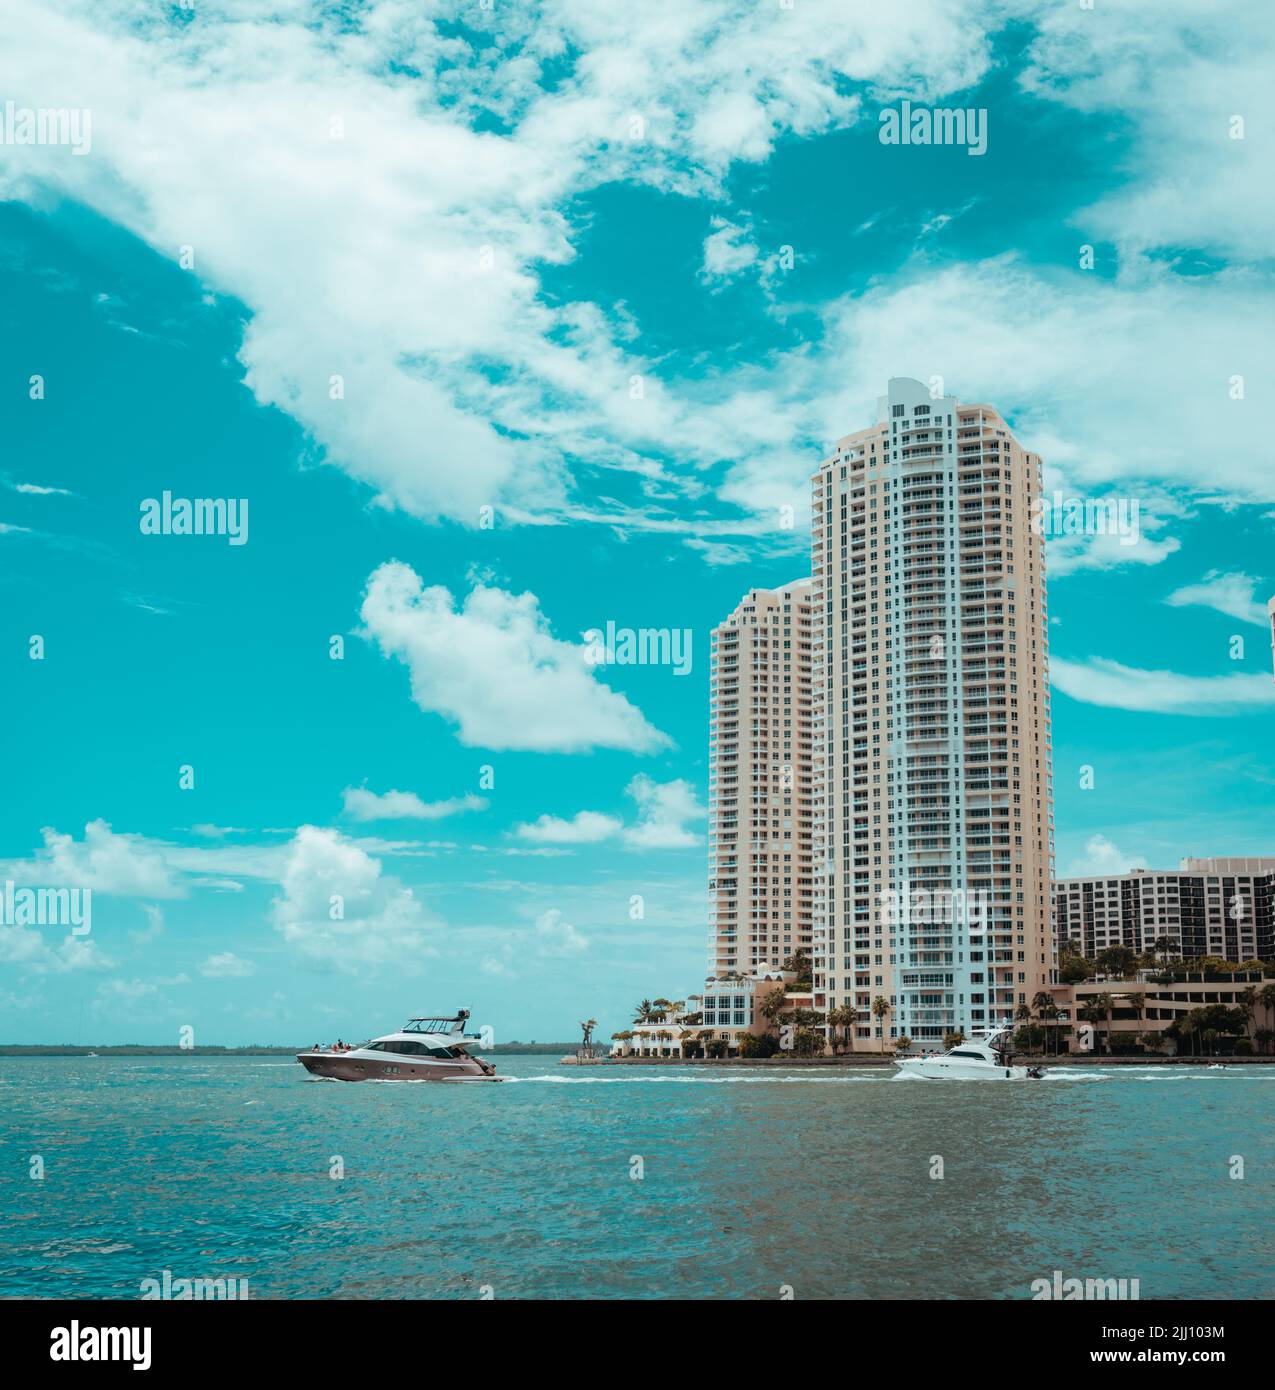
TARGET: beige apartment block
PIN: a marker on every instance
(759, 783)
(932, 825)
(1207, 907)
(1141, 1005)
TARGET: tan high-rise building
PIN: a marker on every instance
(932, 832)
(759, 782)
(1208, 907)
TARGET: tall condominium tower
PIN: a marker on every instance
(1208, 907)
(932, 827)
(759, 782)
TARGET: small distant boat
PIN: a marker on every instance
(425, 1049)
(984, 1057)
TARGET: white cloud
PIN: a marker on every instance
(123, 992)
(555, 936)
(29, 949)
(36, 490)
(1099, 681)
(1176, 85)
(1234, 595)
(363, 805)
(727, 251)
(663, 810)
(154, 925)
(218, 135)
(499, 963)
(339, 911)
(1101, 857)
(227, 966)
(493, 668)
(119, 865)
(584, 828)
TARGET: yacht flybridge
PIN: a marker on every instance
(984, 1057)
(425, 1049)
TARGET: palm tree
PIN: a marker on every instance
(1091, 1012)
(1263, 1037)
(643, 1012)
(1047, 1012)
(845, 1017)
(881, 1007)
(1189, 1025)
(1266, 998)
(772, 1005)
(1106, 1003)
(1248, 1002)
(1164, 945)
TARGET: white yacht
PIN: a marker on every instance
(984, 1057)
(424, 1049)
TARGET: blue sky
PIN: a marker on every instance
(616, 276)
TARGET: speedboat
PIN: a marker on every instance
(424, 1049)
(984, 1057)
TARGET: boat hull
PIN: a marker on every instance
(938, 1069)
(359, 1065)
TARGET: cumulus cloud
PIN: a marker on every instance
(1099, 681)
(663, 811)
(227, 966)
(555, 936)
(1101, 857)
(727, 251)
(363, 805)
(119, 865)
(1176, 84)
(442, 195)
(1235, 595)
(30, 949)
(339, 911)
(493, 668)
(584, 828)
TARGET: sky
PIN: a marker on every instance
(509, 321)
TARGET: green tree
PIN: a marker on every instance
(1072, 966)
(1266, 998)
(800, 964)
(1047, 1011)
(880, 1008)
(1119, 961)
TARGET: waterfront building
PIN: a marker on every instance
(1207, 907)
(932, 826)
(728, 1008)
(1146, 1004)
(759, 782)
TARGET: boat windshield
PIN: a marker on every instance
(430, 1025)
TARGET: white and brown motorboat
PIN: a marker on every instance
(425, 1049)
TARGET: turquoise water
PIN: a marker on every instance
(818, 1180)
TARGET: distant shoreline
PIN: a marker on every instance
(148, 1050)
